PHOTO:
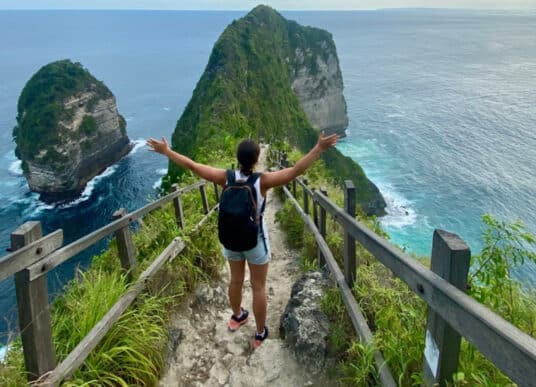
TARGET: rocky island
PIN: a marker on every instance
(68, 130)
(269, 77)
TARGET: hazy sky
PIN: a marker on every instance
(278, 4)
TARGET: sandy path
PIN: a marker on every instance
(207, 354)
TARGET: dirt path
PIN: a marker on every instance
(207, 354)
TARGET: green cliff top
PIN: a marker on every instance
(245, 91)
(41, 104)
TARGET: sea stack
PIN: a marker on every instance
(68, 130)
(272, 78)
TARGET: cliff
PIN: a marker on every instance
(317, 81)
(68, 130)
(268, 77)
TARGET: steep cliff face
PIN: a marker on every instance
(268, 77)
(320, 88)
(68, 130)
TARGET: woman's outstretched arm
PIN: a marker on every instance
(277, 178)
(216, 175)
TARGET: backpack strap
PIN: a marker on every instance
(230, 177)
(251, 180)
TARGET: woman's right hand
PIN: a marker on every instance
(158, 146)
(326, 142)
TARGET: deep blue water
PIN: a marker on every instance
(441, 108)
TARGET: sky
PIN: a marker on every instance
(278, 4)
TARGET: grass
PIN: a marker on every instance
(397, 316)
(132, 352)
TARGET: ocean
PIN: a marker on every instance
(441, 108)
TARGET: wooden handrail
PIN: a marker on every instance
(34, 256)
(30, 254)
(77, 356)
(358, 320)
(510, 349)
(59, 256)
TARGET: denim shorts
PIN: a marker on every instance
(259, 255)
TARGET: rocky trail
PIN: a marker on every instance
(204, 353)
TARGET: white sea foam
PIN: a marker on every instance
(399, 210)
(15, 168)
(166, 108)
(157, 184)
(138, 144)
(86, 194)
(128, 119)
(36, 206)
(3, 351)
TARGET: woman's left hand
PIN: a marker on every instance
(158, 146)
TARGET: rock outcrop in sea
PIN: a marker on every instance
(269, 77)
(68, 130)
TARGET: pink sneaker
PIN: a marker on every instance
(259, 338)
(236, 322)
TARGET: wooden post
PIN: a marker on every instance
(305, 198)
(204, 199)
(450, 260)
(284, 161)
(315, 210)
(177, 203)
(216, 193)
(322, 229)
(294, 187)
(350, 261)
(34, 313)
(125, 246)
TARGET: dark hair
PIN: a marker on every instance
(247, 155)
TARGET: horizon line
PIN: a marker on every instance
(279, 10)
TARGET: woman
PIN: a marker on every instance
(248, 154)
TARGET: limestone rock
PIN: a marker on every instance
(68, 130)
(304, 326)
(320, 88)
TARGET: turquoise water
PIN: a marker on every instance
(441, 108)
(442, 117)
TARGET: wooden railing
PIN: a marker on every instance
(34, 256)
(452, 314)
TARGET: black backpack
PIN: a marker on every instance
(238, 225)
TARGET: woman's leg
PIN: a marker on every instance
(235, 286)
(258, 285)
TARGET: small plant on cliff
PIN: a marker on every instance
(88, 126)
(507, 246)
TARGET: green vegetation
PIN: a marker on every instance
(397, 316)
(88, 126)
(132, 353)
(41, 104)
(245, 91)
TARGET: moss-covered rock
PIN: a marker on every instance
(268, 77)
(68, 130)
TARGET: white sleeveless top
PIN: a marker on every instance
(240, 177)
